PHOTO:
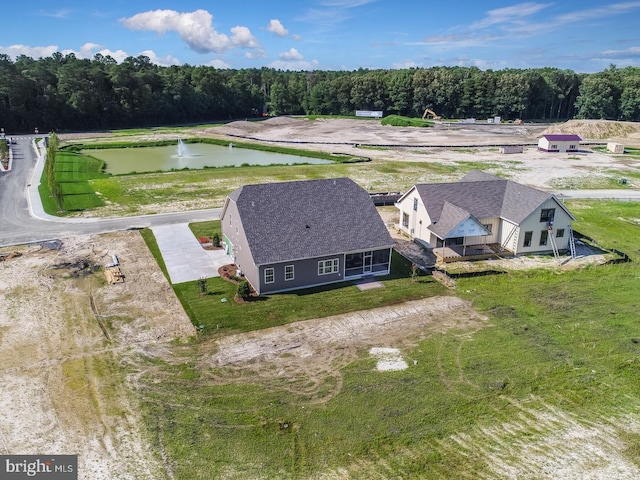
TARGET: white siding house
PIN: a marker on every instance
(482, 210)
(559, 143)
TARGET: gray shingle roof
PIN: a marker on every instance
(305, 219)
(450, 217)
(483, 196)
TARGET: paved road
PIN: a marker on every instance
(621, 194)
(23, 221)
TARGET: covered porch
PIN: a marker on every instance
(458, 253)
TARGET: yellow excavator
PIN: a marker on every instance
(432, 115)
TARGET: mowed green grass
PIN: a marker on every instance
(560, 348)
(73, 172)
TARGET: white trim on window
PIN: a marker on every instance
(326, 267)
(269, 275)
(289, 272)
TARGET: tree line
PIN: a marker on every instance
(63, 92)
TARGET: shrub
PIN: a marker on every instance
(244, 290)
(400, 121)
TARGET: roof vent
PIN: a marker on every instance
(307, 226)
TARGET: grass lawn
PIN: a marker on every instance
(562, 353)
(73, 173)
(207, 188)
(217, 312)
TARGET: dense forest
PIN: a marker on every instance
(63, 92)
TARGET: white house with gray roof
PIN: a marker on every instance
(291, 235)
(482, 209)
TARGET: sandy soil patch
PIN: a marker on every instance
(67, 340)
(468, 143)
(389, 359)
(311, 353)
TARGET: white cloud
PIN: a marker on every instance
(88, 50)
(513, 13)
(33, 52)
(294, 65)
(333, 11)
(613, 9)
(63, 13)
(291, 55)
(275, 26)
(345, 3)
(629, 52)
(218, 63)
(297, 38)
(194, 28)
(243, 38)
(255, 54)
(405, 65)
(165, 61)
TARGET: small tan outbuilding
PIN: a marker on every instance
(613, 147)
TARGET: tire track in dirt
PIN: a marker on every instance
(61, 375)
(310, 353)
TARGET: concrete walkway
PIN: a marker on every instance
(185, 259)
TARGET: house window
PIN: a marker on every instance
(405, 220)
(415, 204)
(269, 275)
(488, 227)
(572, 147)
(560, 233)
(544, 236)
(326, 267)
(288, 272)
(547, 214)
(527, 239)
(554, 147)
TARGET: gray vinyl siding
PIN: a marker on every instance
(305, 274)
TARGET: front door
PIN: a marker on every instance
(367, 262)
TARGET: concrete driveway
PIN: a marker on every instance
(185, 259)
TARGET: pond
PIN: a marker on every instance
(193, 155)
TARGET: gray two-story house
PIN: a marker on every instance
(291, 235)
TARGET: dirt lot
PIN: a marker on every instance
(309, 352)
(469, 143)
(67, 342)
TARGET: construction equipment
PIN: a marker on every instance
(433, 115)
(552, 240)
(572, 243)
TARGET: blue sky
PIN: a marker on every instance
(585, 36)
